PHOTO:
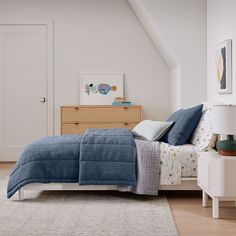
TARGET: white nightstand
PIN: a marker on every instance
(217, 178)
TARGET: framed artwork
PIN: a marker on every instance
(224, 66)
(100, 88)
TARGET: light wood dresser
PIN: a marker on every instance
(76, 119)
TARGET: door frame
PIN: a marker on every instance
(49, 23)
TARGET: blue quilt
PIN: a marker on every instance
(107, 156)
(100, 156)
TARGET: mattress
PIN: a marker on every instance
(178, 162)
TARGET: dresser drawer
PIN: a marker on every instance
(79, 128)
(100, 114)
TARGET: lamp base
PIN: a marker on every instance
(226, 147)
(226, 153)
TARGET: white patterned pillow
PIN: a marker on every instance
(203, 136)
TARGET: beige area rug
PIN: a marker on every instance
(84, 214)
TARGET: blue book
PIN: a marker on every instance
(121, 104)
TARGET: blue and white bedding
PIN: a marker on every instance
(100, 156)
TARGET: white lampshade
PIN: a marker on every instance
(224, 119)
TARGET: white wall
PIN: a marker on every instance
(175, 88)
(102, 35)
(221, 18)
(182, 24)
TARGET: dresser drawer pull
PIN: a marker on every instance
(76, 123)
(125, 108)
(125, 123)
(76, 108)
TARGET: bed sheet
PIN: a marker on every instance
(177, 162)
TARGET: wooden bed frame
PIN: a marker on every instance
(187, 184)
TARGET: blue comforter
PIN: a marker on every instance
(100, 156)
(107, 156)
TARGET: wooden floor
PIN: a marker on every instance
(191, 218)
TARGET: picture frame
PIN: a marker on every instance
(224, 67)
(100, 88)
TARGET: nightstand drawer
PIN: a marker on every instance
(100, 114)
(79, 128)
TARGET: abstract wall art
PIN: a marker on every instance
(100, 88)
(224, 66)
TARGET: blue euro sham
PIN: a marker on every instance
(185, 122)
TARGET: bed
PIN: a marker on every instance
(177, 168)
(168, 168)
(178, 172)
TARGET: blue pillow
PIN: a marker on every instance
(185, 124)
(173, 117)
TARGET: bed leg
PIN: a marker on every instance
(21, 194)
(204, 198)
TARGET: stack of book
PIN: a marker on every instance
(120, 101)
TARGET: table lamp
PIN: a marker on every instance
(224, 122)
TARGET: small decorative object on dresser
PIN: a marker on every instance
(224, 123)
(76, 119)
(216, 177)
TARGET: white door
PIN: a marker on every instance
(23, 87)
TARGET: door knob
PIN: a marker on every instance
(42, 99)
